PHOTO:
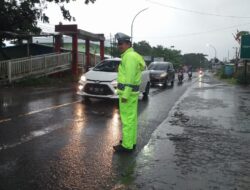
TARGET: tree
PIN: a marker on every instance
(174, 56)
(171, 55)
(158, 51)
(21, 16)
(196, 60)
(143, 48)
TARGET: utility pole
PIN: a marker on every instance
(236, 58)
(111, 46)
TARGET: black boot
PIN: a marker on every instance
(120, 148)
(134, 146)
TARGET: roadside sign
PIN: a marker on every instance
(159, 59)
(245, 47)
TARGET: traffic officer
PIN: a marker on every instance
(129, 79)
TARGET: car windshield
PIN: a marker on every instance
(158, 67)
(107, 66)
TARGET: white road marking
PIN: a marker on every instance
(40, 110)
(37, 133)
(4, 120)
(32, 135)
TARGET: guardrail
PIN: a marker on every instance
(15, 69)
(94, 59)
(81, 60)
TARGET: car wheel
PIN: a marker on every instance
(146, 93)
(86, 99)
(165, 84)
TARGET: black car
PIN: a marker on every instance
(161, 73)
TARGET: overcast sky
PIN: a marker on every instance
(188, 25)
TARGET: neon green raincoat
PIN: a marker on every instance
(129, 73)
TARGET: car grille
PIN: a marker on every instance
(98, 89)
(156, 78)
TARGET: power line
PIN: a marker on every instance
(198, 12)
(205, 32)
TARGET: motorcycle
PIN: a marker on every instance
(180, 76)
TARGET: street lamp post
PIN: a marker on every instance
(215, 52)
(133, 23)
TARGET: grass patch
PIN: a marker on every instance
(232, 80)
(220, 75)
(237, 78)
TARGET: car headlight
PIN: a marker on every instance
(83, 78)
(163, 75)
(80, 87)
(114, 83)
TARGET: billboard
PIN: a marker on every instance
(245, 47)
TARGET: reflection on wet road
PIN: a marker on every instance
(37, 111)
(55, 141)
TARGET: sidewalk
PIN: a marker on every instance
(203, 144)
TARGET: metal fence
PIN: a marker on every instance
(94, 59)
(81, 60)
(14, 69)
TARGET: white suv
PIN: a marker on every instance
(101, 81)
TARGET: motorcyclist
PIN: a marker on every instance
(180, 73)
(189, 71)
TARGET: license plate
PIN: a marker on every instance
(96, 89)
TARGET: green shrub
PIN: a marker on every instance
(59, 79)
(221, 73)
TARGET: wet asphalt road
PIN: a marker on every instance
(202, 145)
(50, 139)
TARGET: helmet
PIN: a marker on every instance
(121, 37)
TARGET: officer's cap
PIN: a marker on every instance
(121, 37)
